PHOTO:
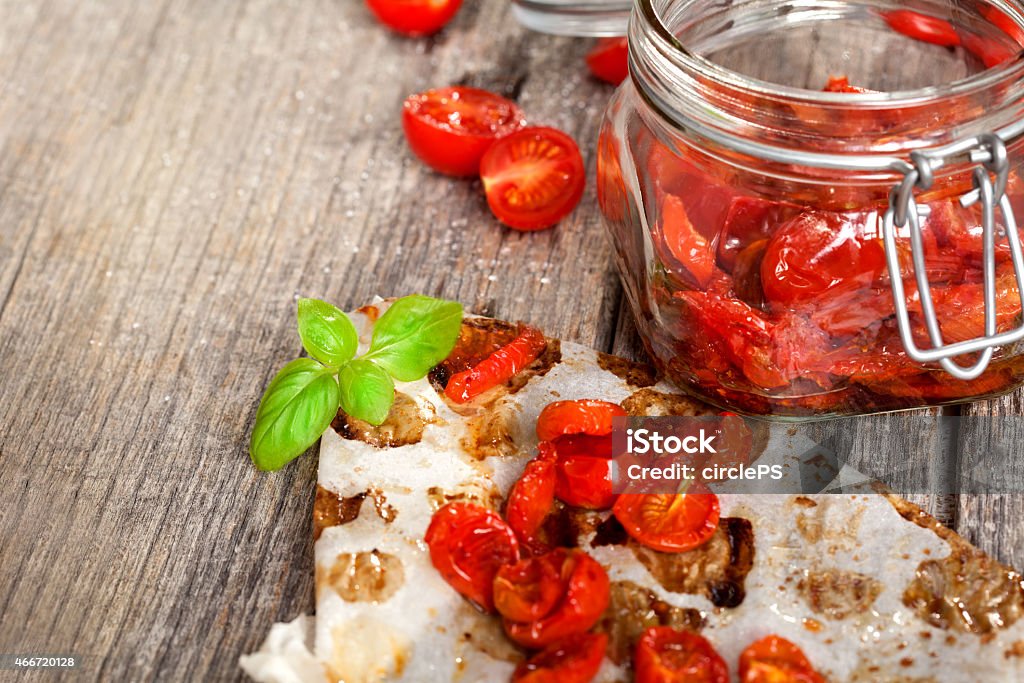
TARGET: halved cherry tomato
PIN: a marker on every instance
(842, 84)
(584, 598)
(609, 60)
(583, 471)
(671, 523)
(583, 416)
(531, 588)
(776, 660)
(498, 368)
(450, 129)
(531, 499)
(750, 219)
(468, 545)
(575, 659)
(923, 27)
(415, 17)
(665, 655)
(694, 252)
(533, 178)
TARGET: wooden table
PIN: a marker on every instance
(173, 175)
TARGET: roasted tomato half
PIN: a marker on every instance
(468, 545)
(498, 368)
(575, 659)
(415, 17)
(582, 589)
(531, 500)
(665, 655)
(776, 660)
(450, 129)
(585, 416)
(583, 471)
(671, 523)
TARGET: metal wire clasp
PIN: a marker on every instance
(989, 153)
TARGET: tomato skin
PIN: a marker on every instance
(583, 416)
(468, 545)
(531, 588)
(671, 523)
(584, 481)
(531, 499)
(415, 17)
(584, 598)
(450, 129)
(498, 368)
(690, 249)
(609, 60)
(922, 27)
(665, 655)
(774, 659)
(575, 659)
(533, 178)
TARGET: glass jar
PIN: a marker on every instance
(801, 198)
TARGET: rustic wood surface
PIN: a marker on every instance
(173, 174)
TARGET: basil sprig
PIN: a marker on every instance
(414, 334)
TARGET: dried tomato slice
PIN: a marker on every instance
(774, 659)
(609, 60)
(665, 655)
(531, 499)
(498, 368)
(584, 597)
(669, 522)
(584, 416)
(922, 27)
(575, 659)
(468, 545)
(690, 249)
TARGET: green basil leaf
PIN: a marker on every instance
(296, 409)
(327, 333)
(414, 335)
(367, 391)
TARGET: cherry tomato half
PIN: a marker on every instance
(533, 178)
(450, 129)
(609, 60)
(468, 545)
(575, 659)
(498, 368)
(530, 501)
(694, 252)
(583, 586)
(922, 27)
(583, 416)
(415, 17)
(671, 523)
(584, 480)
(665, 655)
(773, 659)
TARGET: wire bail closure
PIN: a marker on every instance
(988, 152)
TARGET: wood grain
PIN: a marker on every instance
(173, 174)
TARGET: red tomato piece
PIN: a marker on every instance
(584, 598)
(688, 247)
(750, 219)
(774, 659)
(988, 51)
(531, 588)
(665, 655)
(468, 545)
(842, 84)
(609, 60)
(450, 129)
(531, 499)
(922, 27)
(533, 178)
(415, 17)
(671, 523)
(960, 309)
(1005, 23)
(584, 416)
(818, 251)
(584, 481)
(575, 659)
(498, 368)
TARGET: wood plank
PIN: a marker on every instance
(174, 174)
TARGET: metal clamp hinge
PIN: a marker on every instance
(990, 180)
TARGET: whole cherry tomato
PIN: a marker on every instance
(450, 129)
(575, 659)
(671, 523)
(498, 368)
(584, 590)
(468, 545)
(531, 499)
(774, 659)
(533, 178)
(609, 60)
(583, 416)
(922, 27)
(665, 655)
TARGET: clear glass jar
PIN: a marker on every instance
(746, 204)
